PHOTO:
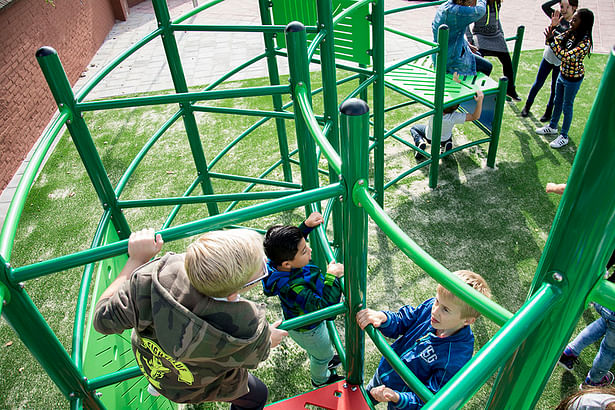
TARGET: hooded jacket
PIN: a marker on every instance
(190, 347)
(434, 360)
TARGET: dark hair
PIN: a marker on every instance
(282, 243)
(574, 3)
(569, 400)
(450, 109)
(584, 30)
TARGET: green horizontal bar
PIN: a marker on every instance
(196, 11)
(459, 288)
(176, 208)
(398, 365)
(241, 111)
(7, 235)
(411, 59)
(115, 377)
(411, 37)
(497, 350)
(85, 90)
(239, 29)
(204, 199)
(327, 149)
(414, 6)
(313, 317)
(242, 178)
(219, 221)
(183, 98)
(603, 294)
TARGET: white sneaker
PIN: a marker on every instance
(559, 142)
(151, 390)
(546, 130)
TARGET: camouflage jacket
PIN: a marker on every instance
(190, 347)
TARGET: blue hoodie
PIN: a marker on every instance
(434, 360)
(460, 58)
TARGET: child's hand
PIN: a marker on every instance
(549, 33)
(314, 220)
(383, 393)
(336, 269)
(456, 77)
(479, 95)
(370, 317)
(555, 188)
(143, 245)
(556, 18)
(276, 334)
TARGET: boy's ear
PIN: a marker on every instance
(469, 320)
(286, 265)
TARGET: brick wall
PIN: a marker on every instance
(76, 29)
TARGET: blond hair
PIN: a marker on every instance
(219, 263)
(477, 282)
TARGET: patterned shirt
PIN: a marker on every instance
(572, 67)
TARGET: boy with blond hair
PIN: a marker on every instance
(434, 341)
(193, 336)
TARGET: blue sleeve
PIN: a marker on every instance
(466, 15)
(398, 323)
(408, 401)
(305, 230)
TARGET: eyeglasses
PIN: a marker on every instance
(265, 273)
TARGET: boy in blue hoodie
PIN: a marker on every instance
(302, 288)
(434, 341)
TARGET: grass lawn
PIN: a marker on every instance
(492, 221)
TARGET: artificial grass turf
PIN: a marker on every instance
(494, 222)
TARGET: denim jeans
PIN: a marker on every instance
(543, 72)
(483, 65)
(318, 346)
(604, 326)
(565, 92)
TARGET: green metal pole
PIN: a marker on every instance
(438, 101)
(274, 79)
(329, 85)
(580, 241)
(298, 66)
(496, 126)
(25, 319)
(378, 102)
(355, 154)
(63, 94)
(517, 52)
(179, 80)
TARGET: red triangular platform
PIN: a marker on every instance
(336, 396)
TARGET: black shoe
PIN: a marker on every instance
(525, 112)
(514, 96)
(333, 363)
(446, 146)
(567, 361)
(422, 145)
(332, 379)
(546, 117)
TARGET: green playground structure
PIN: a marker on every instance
(339, 35)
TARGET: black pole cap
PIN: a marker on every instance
(504, 78)
(294, 26)
(354, 106)
(45, 51)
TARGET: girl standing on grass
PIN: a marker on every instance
(571, 47)
(550, 63)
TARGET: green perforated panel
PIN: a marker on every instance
(352, 34)
(104, 354)
(419, 80)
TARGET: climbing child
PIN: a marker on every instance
(193, 336)
(434, 340)
(458, 15)
(302, 288)
(422, 133)
(571, 47)
(560, 20)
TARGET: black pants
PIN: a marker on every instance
(507, 67)
(255, 399)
